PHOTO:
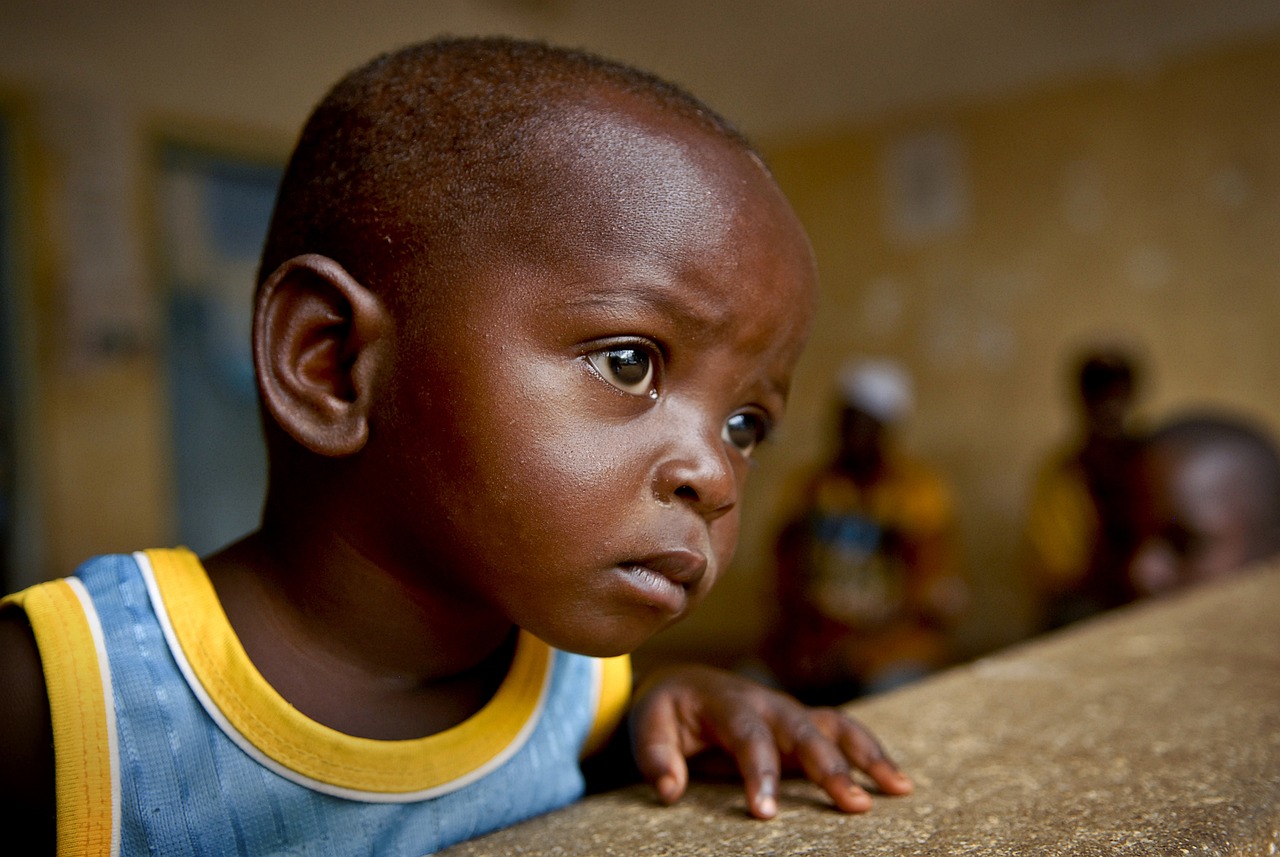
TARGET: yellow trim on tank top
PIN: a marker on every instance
(78, 711)
(280, 731)
(615, 695)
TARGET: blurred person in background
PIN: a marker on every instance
(1207, 501)
(868, 587)
(1079, 529)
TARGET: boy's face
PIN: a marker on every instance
(1194, 516)
(569, 427)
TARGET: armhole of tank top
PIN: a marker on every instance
(82, 710)
(613, 693)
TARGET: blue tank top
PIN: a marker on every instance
(168, 741)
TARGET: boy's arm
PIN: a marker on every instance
(680, 712)
(26, 741)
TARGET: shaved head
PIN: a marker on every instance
(425, 156)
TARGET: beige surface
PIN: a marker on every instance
(1153, 731)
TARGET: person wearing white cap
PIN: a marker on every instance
(867, 576)
(879, 387)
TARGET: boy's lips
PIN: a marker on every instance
(684, 567)
(665, 579)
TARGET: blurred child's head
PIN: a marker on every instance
(523, 317)
(1208, 501)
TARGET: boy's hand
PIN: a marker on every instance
(681, 711)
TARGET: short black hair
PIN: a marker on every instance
(1104, 371)
(410, 152)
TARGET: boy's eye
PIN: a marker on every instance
(628, 369)
(746, 431)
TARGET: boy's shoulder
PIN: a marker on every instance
(26, 741)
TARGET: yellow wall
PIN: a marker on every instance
(1144, 208)
(1147, 206)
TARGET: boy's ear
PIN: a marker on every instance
(319, 337)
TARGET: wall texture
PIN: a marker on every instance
(978, 242)
(1144, 209)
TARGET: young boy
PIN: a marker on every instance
(1207, 501)
(523, 317)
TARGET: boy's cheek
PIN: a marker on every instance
(724, 542)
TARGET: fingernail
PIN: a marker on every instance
(859, 796)
(766, 802)
(666, 787)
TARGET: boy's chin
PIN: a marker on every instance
(605, 643)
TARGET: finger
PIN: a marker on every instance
(824, 763)
(754, 747)
(656, 744)
(861, 748)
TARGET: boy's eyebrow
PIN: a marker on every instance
(624, 303)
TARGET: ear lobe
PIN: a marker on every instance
(319, 337)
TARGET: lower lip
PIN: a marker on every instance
(654, 589)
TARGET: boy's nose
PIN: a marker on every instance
(1153, 569)
(697, 471)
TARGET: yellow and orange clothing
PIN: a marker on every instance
(1079, 530)
(168, 740)
(1062, 524)
(867, 579)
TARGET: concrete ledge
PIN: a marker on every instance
(1152, 731)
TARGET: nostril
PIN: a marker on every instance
(709, 504)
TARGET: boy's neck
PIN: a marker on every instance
(350, 645)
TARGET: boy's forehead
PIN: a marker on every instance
(615, 183)
(646, 165)
(610, 172)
